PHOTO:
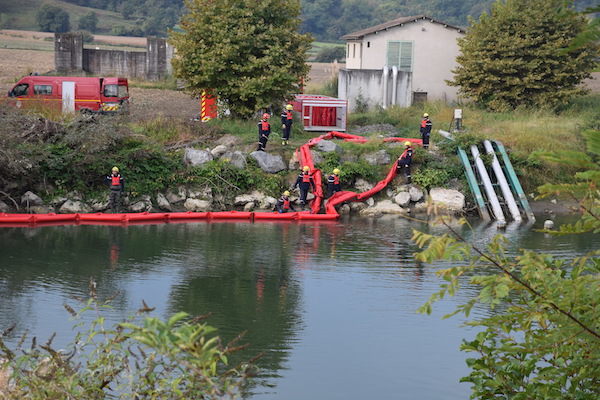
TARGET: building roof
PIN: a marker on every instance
(396, 22)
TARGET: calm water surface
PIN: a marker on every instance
(332, 303)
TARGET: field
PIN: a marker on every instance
(25, 52)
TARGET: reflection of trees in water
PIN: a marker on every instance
(242, 275)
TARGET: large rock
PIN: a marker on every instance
(380, 157)
(316, 157)
(328, 146)
(4, 207)
(383, 207)
(218, 151)
(447, 199)
(362, 186)
(267, 203)
(196, 205)
(175, 198)
(43, 209)
(74, 207)
(416, 194)
(204, 193)
(236, 158)
(143, 204)
(267, 162)
(163, 203)
(402, 199)
(31, 199)
(197, 158)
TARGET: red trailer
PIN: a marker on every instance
(321, 113)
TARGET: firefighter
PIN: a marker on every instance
(333, 183)
(116, 183)
(284, 204)
(405, 161)
(264, 130)
(304, 182)
(286, 124)
(425, 130)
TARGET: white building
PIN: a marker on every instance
(400, 62)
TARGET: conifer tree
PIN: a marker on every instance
(247, 53)
(512, 57)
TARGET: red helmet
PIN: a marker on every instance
(265, 116)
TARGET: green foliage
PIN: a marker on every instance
(141, 358)
(541, 340)
(88, 21)
(331, 54)
(247, 54)
(511, 58)
(53, 19)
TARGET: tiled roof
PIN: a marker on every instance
(393, 23)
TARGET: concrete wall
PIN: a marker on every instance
(435, 49)
(369, 85)
(71, 57)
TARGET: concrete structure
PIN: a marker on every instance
(70, 57)
(400, 62)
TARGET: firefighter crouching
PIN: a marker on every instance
(333, 183)
(304, 182)
(405, 161)
(116, 183)
(284, 204)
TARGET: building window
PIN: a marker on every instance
(354, 50)
(368, 44)
(348, 51)
(44, 90)
(400, 54)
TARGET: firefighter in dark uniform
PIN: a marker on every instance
(116, 184)
(284, 204)
(264, 130)
(304, 182)
(425, 130)
(333, 183)
(286, 124)
(405, 161)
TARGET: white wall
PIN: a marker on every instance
(368, 84)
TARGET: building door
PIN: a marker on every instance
(68, 96)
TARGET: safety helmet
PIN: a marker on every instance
(407, 143)
(286, 193)
(115, 169)
(265, 116)
(306, 168)
(289, 107)
(336, 171)
(425, 115)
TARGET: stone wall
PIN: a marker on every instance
(71, 57)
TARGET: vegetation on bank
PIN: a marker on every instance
(54, 155)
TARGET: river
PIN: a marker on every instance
(333, 304)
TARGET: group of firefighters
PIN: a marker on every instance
(305, 180)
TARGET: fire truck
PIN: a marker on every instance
(83, 94)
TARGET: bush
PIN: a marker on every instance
(143, 357)
(331, 54)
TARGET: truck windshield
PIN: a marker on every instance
(19, 90)
(110, 91)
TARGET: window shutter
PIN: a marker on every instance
(406, 57)
(393, 56)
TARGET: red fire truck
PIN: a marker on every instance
(84, 94)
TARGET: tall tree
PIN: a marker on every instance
(247, 53)
(53, 19)
(512, 57)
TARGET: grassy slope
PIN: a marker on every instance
(19, 14)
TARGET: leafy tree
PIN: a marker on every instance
(88, 21)
(247, 53)
(53, 19)
(511, 58)
(542, 338)
(330, 54)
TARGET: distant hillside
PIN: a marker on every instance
(327, 20)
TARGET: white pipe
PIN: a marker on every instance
(487, 184)
(506, 192)
(394, 84)
(385, 85)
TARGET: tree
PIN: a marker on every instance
(247, 53)
(511, 58)
(541, 338)
(53, 19)
(88, 21)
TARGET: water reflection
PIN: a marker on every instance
(332, 303)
